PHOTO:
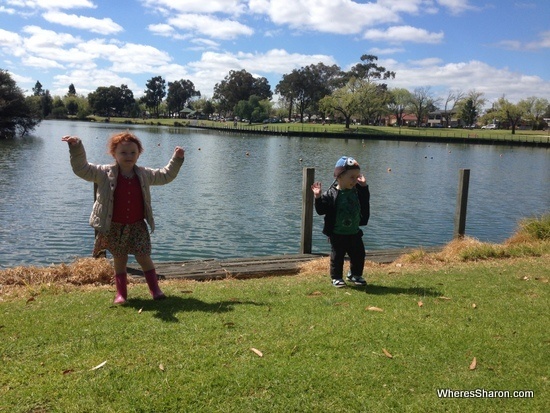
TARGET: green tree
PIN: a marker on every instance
(154, 93)
(37, 89)
(46, 103)
(112, 100)
(255, 109)
(72, 90)
(345, 101)
(509, 113)
(398, 102)
(534, 109)
(468, 112)
(369, 70)
(237, 86)
(16, 114)
(59, 111)
(180, 93)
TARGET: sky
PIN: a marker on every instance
(495, 47)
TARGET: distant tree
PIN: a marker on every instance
(397, 104)
(470, 105)
(468, 112)
(421, 103)
(154, 93)
(449, 107)
(509, 113)
(534, 109)
(37, 89)
(305, 87)
(112, 100)
(255, 109)
(369, 70)
(59, 111)
(237, 86)
(180, 93)
(46, 103)
(344, 101)
(72, 90)
(16, 114)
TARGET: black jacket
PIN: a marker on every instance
(326, 205)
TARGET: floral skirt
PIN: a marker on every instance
(124, 239)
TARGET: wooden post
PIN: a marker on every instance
(308, 177)
(461, 203)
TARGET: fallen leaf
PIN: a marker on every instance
(229, 324)
(420, 304)
(99, 365)
(258, 352)
(371, 308)
(387, 353)
(186, 292)
(30, 299)
(315, 293)
(140, 310)
(68, 371)
(161, 366)
(473, 364)
(443, 298)
(474, 305)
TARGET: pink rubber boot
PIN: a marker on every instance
(152, 282)
(121, 290)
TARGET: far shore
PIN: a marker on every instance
(476, 136)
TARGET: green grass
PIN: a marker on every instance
(322, 348)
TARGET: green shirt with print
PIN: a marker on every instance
(348, 212)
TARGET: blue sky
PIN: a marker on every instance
(497, 47)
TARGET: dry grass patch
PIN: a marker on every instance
(83, 271)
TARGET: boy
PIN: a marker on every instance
(346, 206)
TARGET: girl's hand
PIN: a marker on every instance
(316, 188)
(71, 140)
(180, 152)
(361, 180)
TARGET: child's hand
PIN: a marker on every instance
(71, 140)
(180, 152)
(361, 180)
(316, 188)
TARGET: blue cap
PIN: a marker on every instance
(345, 163)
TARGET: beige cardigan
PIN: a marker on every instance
(105, 176)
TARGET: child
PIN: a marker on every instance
(346, 206)
(123, 204)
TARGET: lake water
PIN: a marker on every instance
(240, 196)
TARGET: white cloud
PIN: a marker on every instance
(102, 26)
(210, 26)
(229, 7)
(51, 4)
(400, 34)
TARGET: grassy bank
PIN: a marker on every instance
(472, 317)
(503, 136)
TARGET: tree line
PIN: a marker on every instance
(359, 95)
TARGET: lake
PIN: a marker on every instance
(240, 196)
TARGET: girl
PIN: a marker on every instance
(123, 204)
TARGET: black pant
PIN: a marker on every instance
(354, 247)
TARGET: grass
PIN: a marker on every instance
(285, 344)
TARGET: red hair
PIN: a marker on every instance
(123, 137)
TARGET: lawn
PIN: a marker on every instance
(286, 343)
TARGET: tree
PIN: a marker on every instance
(72, 90)
(37, 89)
(346, 101)
(255, 109)
(179, 94)
(510, 113)
(306, 86)
(451, 101)
(16, 115)
(534, 109)
(468, 112)
(154, 93)
(46, 103)
(476, 105)
(397, 104)
(237, 86)
(112, 100)
(421, 103)
(369, 70)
